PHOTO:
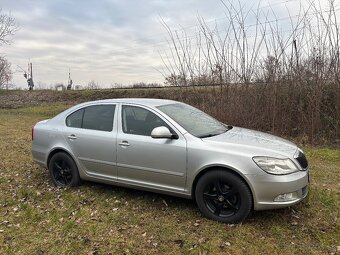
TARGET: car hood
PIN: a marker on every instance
(258, 143)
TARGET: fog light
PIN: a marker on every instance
(286, 197)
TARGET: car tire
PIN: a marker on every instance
(223, 196)
(63, 170)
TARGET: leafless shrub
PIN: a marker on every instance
(283, 81)
(146, 85)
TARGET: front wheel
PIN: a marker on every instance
(63, 170)
(223, 196)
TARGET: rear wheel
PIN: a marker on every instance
(223, 196)
(63, 170)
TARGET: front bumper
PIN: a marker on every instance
(267, 187)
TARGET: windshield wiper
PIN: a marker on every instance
(208, 135)
(228, 127)
(215, 133)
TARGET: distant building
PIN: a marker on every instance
(60, 87)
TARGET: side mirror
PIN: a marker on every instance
(163, 132)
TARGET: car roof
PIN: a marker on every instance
(148, 102)
(153, 102)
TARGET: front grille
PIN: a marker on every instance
(301, 158)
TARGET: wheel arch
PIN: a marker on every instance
(225, 168)
(57, 150)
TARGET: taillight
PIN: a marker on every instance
(32, 133)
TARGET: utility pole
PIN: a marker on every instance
(69, 84)
(29, 77)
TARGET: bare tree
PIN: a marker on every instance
(92, 85)
(5, 73)
(8, 27)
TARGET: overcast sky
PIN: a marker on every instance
(108, 41)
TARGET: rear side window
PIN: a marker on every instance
(75, 119)
(96, 117)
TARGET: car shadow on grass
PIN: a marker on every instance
(175, 203)
(131, 194)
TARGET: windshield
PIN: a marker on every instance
(193, 120)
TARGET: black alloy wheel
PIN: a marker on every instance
(63, 170)
(221, 199)
(223, 196)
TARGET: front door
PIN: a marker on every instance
(143, 160)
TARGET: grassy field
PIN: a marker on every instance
(37, 218)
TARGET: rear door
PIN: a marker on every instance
(143, 160)
(91, 134)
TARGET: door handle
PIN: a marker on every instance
(72, 137)
(124, 143)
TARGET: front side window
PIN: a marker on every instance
(96, 117)
(193, 120)
(139, 121)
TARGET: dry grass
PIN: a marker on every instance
(37, 218)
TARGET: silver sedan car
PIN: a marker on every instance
(173, 148)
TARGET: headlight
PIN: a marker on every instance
(275, 165)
